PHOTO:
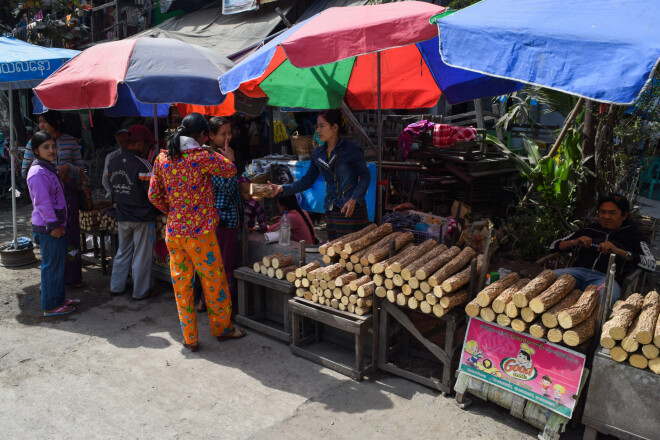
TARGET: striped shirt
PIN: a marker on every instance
(68, 152)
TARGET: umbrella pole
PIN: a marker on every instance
(156, 125)
(379, 193)
(12, 155)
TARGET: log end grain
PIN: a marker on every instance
(638, 361)
(555, 335)
(618, 354)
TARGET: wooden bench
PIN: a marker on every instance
(359, 326)
(255, 291)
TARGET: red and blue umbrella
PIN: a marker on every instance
(333, 57)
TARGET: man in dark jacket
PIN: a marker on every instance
(613, 234)
(129, 175)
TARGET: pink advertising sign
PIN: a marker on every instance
(532, 368)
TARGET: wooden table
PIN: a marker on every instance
(358, 326)
(254, 291)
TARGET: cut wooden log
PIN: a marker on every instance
(656, 333)
(302, 272)
(638, 361)
(300, 292)
(312, 274)
(489, 293)
(297, 283)
(462, 278)
(407, 289)
(424, 253)
(334, 303)
(401, 299)
(342, 263)
(487, 314)
(288, 273)
(534, 288)
(435, 265)
(352, 299)
(650, 351)
(332, 284)
(283, 261)
(503, 320)
(361, 256)
(389, 284)
(328, 260)
(419, 295)
(397, 279)
(262, 190)
(343, 307)
(438, 310)
(366, 239)
(343, 280)
(350, 266)
(381, 253)
(384, 266)
(353, 285)
(581, 332)
(336, 245)
(622, 316)
(391, 295)
(351, 308)
(472, 308)
(648, 318)
(270, 272)
(549, 318)
(448, 302)
(331, 272)
(263, 269)
(527, 314)
(308, 295)
(344, 300)
(323, 284)
(256, 267)
(654, 365)
(414, 283)
(537, 329)
(315, 283)
(425, 287)
(431, 299)
(343, 256)
(381, 292)
(511, 310)
(334, 293)
(367, 270)
(425, 307)
(364, 302)
(268, 259)
(555, 335)
(366, 289)
(315, 298)
(553, 294)
(519, 325)
(361, 311)
(358, 268)
(499, 304)
(322, 300)
(618, 354)
(378, 279)
(313, 290)
(437, 291)
(413, 304)
(581, 310)
(411, 255)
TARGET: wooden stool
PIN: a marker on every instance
(265, 291)
(359, 326)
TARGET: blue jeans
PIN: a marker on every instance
(585, 277)
(53, 258)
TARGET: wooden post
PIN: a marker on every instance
(486, 261)
(303, 255)
(472, 287)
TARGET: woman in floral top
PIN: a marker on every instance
(181, 188)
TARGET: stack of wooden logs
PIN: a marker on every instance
(279, 265)
(109, 223)
(633, 331)
(161, 226)
(546, 307)
(90, 220)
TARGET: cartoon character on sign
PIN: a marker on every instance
(520, 367)
(546, 381)
(559, 391)
(487, 367)
(475, 353)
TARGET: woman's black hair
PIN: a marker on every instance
(620, 202)
(54, 119)
(290, 203)
(333, 116)
(216, 122)
(39, 138)
(191, 126)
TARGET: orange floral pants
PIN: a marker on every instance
(202, 255)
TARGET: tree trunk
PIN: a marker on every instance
(488, 294)
(537, 329)
(553, 294)
(268, 259)
(581, 332)
(581, 310)
(366, 239)
(438, 263)
(616, 327)
(450, 301)
(366, 289)
(344, 279)
(382, 252)
(302, 272)
(425, 253)
(499, 304)
(549, 318)
(472, 308)
(503, 320)
(585, 201)
(487, 314)
(534, 288)
(460, 279)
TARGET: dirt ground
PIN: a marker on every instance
(116, 369)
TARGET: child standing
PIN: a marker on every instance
(48, 224)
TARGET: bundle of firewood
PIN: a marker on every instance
(161, 226)
(107, 222)
(546, 307)
(279, 265)
(90, 220)
(633, 331)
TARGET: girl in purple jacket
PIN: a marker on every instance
(48, 224)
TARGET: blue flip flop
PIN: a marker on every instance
(61, 310)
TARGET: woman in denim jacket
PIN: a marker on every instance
(342, 165)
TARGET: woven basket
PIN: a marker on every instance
(302, 145)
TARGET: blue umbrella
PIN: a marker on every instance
(603, 50)
(24, 65)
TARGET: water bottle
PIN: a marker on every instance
(285, 230)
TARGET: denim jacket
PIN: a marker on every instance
(341, 173)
